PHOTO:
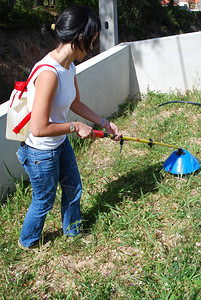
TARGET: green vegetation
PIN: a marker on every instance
(62, 4)
(146, 19)
(137, 19)
(22, 15)
(141, 225)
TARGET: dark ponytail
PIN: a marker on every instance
(46, 28)
(49, 36)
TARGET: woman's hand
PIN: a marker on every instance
(112, 128)
(83, 131)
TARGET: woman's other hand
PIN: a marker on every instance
(113, 129)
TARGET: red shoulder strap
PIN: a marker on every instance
(32, 74)
(36, 69)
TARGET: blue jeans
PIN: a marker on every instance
(45, 169)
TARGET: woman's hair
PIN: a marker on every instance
(77, 22)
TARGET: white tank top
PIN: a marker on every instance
(65, 94)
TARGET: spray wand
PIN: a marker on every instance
(180, 162)
(150, 142)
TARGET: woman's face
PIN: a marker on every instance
(82, 53)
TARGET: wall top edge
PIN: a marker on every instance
(183, 35)
(100, 57)
(4, 108)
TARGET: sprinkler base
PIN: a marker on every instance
(181, 162)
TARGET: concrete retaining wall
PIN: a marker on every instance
(129, 69)
(168, 63)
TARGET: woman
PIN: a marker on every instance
(47, 155)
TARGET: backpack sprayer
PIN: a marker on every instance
(180, 162)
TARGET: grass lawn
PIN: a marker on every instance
(141, 225)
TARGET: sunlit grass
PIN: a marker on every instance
(141, 225)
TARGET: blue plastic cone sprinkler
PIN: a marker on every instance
(180, 162)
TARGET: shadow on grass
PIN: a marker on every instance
(133, 185)
(52, 235)
(140, 181)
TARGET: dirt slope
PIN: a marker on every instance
(19, 51)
